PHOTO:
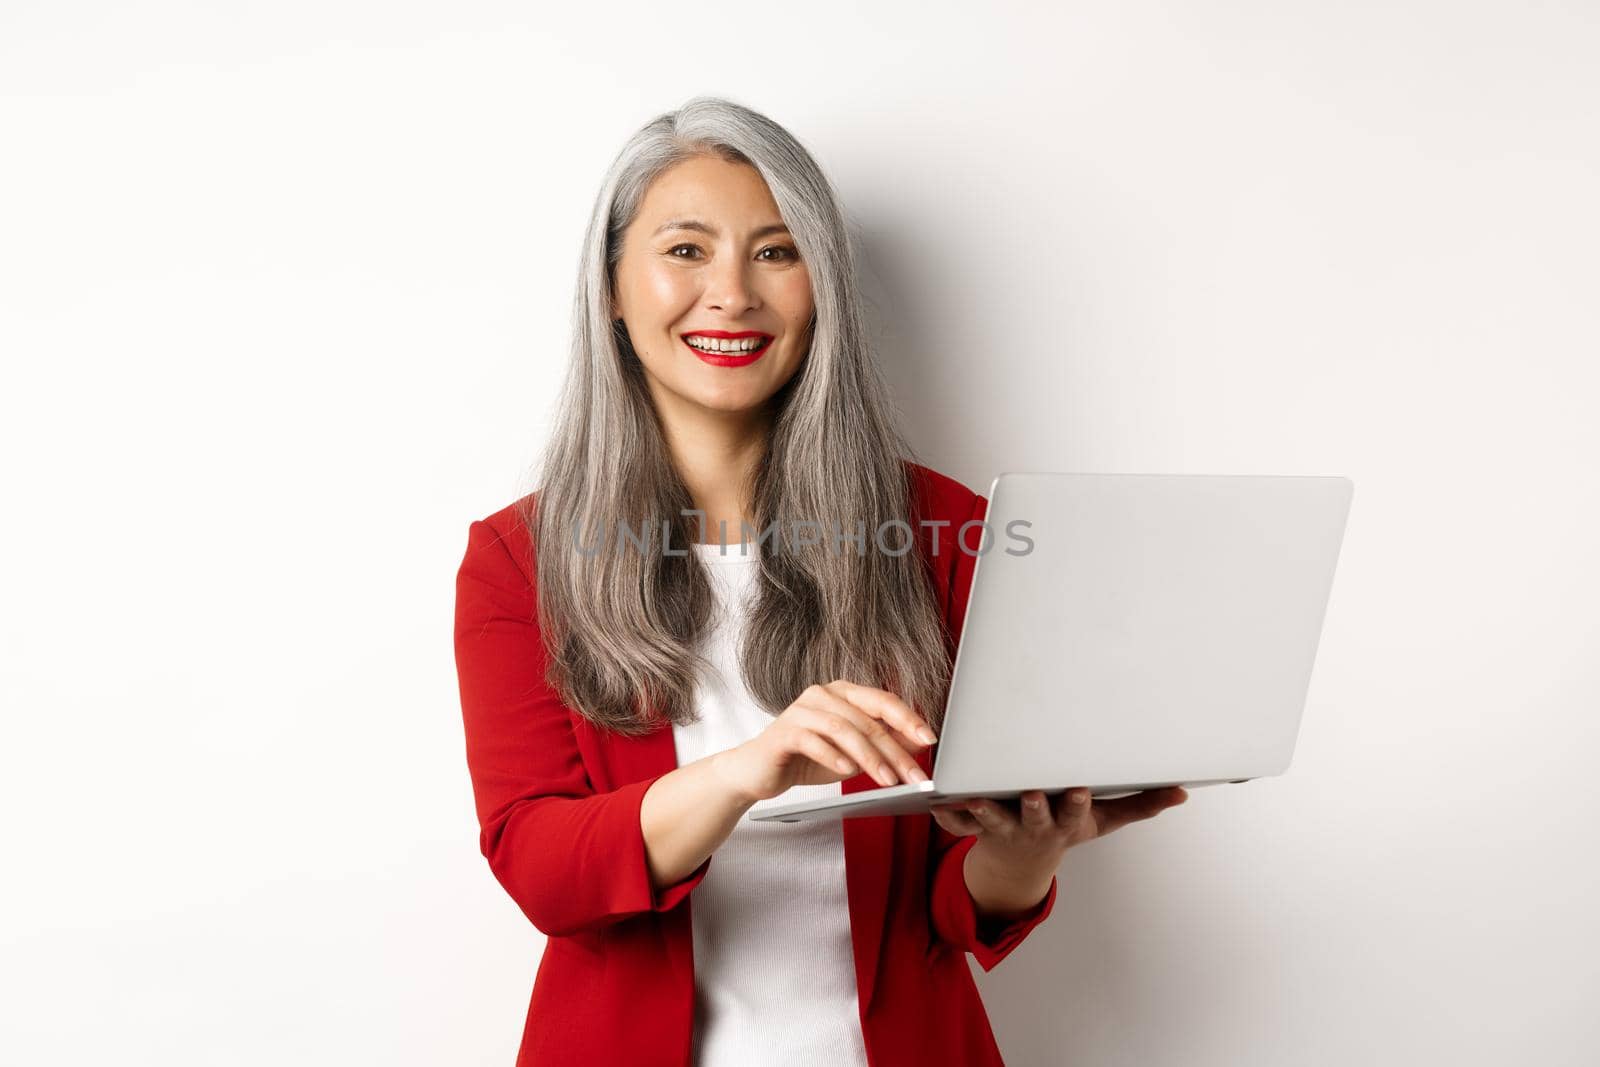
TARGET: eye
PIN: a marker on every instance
(788, 252)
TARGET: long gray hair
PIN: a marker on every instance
(621, 627)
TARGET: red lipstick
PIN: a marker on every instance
(728, 359)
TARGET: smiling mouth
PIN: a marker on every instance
(727, 352)
(726, 345)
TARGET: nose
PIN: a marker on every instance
(728, 287)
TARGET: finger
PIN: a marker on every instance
(1073, 808)
(818, 749)
(1036, 814)
(993, 818)
(887, 706)
(1114, 814)
(956, 821)
(880, 726)
(843, 734)
(902, 764)
(960, 814)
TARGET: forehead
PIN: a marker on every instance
(710, 190)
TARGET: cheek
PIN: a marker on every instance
(797, 300)
(665, 291)
(656, 296)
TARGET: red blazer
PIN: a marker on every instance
(558, 802)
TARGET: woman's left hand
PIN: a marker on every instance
(1027, 848)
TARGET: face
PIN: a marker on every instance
(709, 254)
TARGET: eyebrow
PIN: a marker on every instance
(711, 231)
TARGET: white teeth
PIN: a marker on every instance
(713, 344)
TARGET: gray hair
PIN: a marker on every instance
(621, 628)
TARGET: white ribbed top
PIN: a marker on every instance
(774, 973)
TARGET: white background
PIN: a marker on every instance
(284, 297)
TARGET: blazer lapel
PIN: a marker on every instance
(868, 855)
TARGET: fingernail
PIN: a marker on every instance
(917, 774)
(927, 736)
(1080, 795)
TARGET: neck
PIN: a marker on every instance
(716, 454)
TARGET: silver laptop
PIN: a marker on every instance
(1127, 632)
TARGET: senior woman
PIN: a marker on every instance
(656, 638)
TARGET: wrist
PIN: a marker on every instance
(722, 768)
(999, 888)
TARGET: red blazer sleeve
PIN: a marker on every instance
(572, 859)
(951, 910)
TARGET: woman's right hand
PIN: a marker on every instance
(830, 733)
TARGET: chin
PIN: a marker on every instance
(733, 405)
